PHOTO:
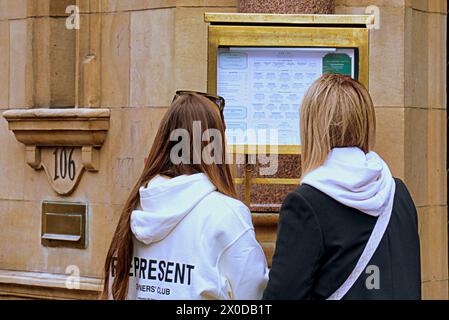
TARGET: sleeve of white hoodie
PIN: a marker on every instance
(244, 265)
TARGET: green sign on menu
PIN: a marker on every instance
(337, 63)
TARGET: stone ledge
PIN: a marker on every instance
(42, 113)
(46, 285)
(59, 127)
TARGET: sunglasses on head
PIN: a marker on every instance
(217, 100)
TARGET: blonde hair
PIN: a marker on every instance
(336, 111)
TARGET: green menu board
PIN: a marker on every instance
(337, 63)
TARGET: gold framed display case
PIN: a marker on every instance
(324, 33)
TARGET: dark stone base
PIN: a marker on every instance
(287, 6)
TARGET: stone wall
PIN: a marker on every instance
(407, 82)
(145, 50)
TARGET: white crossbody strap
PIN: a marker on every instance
(371, 246)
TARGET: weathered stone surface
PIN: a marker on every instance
(115, 62)
(190, 69)
(433, 233)
(152, 57)
(21, 64)
(417, 80)
(42, 64)
(62, 64)
(4, 64)
(435, 290)
(390, 138)
(415, 160)
(130, 138)
(12, 165)
(387, 59)
(16, 9)
(437, 36)
(436, 155)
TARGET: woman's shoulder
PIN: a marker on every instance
(402, 194)
(310, 195)
(402, 190)
(307, 202)
(223, 220)
(227, 208)
(403, 201)
(319, 202)
(300, 203)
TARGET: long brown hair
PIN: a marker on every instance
(336, 111)
(182, 114)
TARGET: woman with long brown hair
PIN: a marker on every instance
(182, 235)
(350, 230)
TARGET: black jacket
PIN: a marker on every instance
(320, 241)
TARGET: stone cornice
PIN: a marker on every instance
(59, 127)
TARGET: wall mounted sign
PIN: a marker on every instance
(64, 224)
(64, 166)
(63, 142)
(264, 87)
(340, 63)
(262, 65)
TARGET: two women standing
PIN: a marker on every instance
(348, 232)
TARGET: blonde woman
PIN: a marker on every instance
(182, 234)
(350, 230)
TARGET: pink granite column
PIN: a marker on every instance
(287, 6)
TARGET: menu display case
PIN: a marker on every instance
(262, 64)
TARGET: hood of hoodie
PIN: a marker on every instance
(355, 179)
(165, 202)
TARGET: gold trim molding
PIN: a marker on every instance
(264, 149)
(323, 19)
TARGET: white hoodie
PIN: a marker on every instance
(192, 242)
(355, 179)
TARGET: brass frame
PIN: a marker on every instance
(286, 36)
(249, 30)
(298, 19)
(66, 212)
(254, 149)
